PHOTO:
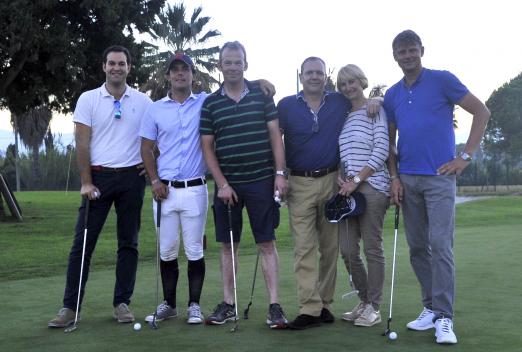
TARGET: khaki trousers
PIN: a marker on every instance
(316, 241)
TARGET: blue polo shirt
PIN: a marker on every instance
(175, 127)
(306, 149)
(423, 115)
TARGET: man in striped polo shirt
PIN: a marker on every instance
(242, 144)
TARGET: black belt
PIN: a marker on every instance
(184, 184)
(99, 168)
(315, 173)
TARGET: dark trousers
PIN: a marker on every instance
(125, 190)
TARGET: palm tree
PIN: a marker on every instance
(32, 127)
(178, 35)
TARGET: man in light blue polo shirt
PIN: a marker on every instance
(178, 181)
(420, 107)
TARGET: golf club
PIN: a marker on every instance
(397, 209)
(354, 291)
(245, 313)
(86, 219)
(153, 324)
(236, 327)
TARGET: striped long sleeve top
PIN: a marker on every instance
(364, 142)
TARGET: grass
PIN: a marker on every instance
(32, 274)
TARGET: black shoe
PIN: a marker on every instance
(222, 313)
(327, 316)
(304, 321)
(276, 318)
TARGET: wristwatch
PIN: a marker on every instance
(282, 173)
(465, 156)
(356, 180)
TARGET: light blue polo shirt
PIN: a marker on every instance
(423, 115)
(175, 127)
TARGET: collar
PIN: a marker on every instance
(300, 95)
(105, 92)
(419, 78)
(168, 98)
(243, 93)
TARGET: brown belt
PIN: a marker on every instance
(315, 173)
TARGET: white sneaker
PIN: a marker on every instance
(444, 331)
(194, 314)
(368, 317)
(164, 311)
(423, 322)
(355, 313)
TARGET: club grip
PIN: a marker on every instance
(86, 215)
(158, 213)
(397, 211)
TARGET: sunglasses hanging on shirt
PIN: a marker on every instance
(117, 109)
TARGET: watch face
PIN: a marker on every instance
(356, 179)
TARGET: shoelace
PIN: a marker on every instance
(445, 325)
(163, 307)
(124, 308)
(195, 310)
(423, 314)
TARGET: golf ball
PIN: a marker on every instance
(392, 335)
(137, 327)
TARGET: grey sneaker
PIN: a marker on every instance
(223, 313)
(64, 318)
(355, 313)
(276, 317)
(123, 314)
(194, 314)
(368, 317)
(163, 311)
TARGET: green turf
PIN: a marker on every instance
(34, 254)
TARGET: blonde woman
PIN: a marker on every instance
(363, 146)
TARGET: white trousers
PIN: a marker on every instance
(185, 211)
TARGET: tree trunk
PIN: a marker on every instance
(36, 168)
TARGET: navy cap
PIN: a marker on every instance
(339, 207)
(183, 58)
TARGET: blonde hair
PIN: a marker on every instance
(352, 71)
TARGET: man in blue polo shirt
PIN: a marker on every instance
(242, 146)
(420, 107)
(178, 181)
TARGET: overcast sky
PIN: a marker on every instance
(479, 41)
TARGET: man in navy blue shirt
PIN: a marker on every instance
(420, 106)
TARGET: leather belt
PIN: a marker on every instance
(99, 168)
(184, 184)
(315, 173)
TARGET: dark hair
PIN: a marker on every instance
(312, 58)
(116, 49)
(235, 45)
(406, 37)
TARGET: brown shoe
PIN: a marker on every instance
(64, 318)
(123, 314)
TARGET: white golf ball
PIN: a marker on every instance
(137, 327)
(392, 335)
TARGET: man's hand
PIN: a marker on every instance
(160, 191)
(141, 167)
(373, 106)
(396, 191)
(90, 191)
(281, 185)
(454, 167)
(227, 195)
(346, 187)
(267, 88)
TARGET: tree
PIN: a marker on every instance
(178, 35)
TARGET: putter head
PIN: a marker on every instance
(71, 328)
(387, 331)
(154, 324)
(349, 295)
(235, 328)
(245, 312)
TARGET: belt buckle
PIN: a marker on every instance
(316, 172)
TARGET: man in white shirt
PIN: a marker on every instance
(107, 121)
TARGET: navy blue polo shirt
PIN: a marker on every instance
(423, 115)
(308, 148)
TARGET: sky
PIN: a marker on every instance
(479, 41)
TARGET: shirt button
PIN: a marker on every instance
(409, 102)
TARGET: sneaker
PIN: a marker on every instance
(123, 314)
(276, 318)
(326, 316)
(223, 313)
(423, 322)
(194, 314)
(163, 311)
(355, 313)
(444, 331)
(368, 317)
(305, 321)
(64, 318)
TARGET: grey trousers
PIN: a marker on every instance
(368, 227)
(429, 220)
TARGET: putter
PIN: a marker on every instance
(397, 209)
(86, 219)
(245, 313)
(354, 291)
(153, 324)
(236, 327)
